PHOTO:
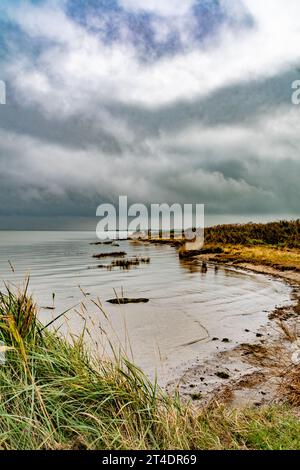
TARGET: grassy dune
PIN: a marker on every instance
(272, 256)
(55, 395)
(281, 234)
(275, 244)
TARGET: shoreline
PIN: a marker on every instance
(249, 374)
(224, 255)
(290, 276)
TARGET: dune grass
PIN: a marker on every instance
(282, 233)
(56, 395)
(277, 257)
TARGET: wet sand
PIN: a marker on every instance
(252, 372)
(290, 275)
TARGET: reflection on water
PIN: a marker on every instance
(187, 307)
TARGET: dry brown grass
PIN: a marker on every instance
(284, 258)
(290, 388)
(291, 385)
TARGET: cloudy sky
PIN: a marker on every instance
(161, 100)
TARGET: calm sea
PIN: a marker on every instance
(186, 308)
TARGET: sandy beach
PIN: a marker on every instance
(250, 373)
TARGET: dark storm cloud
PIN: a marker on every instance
(229, 105)
(87, 119)
(243, 103)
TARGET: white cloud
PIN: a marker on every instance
(159, 7)
(273, 137)
(79, 69)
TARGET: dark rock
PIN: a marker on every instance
(189, 254)
(212, 251)
(115, 254)
(222, 375)
(123, 301)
